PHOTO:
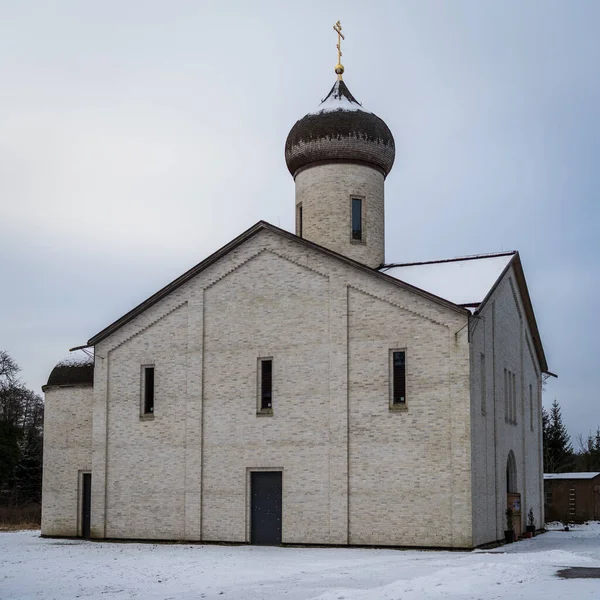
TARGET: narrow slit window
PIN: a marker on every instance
(506, 394)
(148, 390)
(530, 407)
(357, 225)
(510, 396)
(483, 385)
(266, 384)
(299, 224)
(399, 378)
(514, 398)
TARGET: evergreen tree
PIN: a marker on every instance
(588, 458)
(545, 437)
(558, 451)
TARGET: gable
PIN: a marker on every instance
(519, 288)
(266, 295)
(470, 282)
(236, 243)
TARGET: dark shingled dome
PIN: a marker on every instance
(340, 130)
(72, 372)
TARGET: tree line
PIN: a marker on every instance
(559, 454)
(21, 438)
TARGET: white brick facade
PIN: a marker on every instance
(501, 333)
(354, 471)
(325, 193)
(67, 453)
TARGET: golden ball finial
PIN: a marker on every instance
(339, 69)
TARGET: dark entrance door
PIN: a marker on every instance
(265, 494)
(86, 504)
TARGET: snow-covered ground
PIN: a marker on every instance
(32, 567)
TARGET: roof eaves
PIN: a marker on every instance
(450, 260)
(528, 305)
(496, 284)
(234, 244)
(515, 262)
(214, 257)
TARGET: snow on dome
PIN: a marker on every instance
(76, 369)
(465, 280)
(340, 130)
(339, 98)
(76, 359)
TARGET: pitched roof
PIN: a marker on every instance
(528, 307)
(464, 280)
(477, 276)
(470, 281)
(551, 476)
(246, 235)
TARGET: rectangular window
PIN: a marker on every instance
(506, 395)
(483, 385)
(548, 498)
(398, 378)
(299, 221)
(514, 399)
(266, 384)
(148, 390)
(510, 397)
(357, 225)
(531, 407)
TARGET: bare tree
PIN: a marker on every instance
(8, 370)
(589, 451)
(21, 436)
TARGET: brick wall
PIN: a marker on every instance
(353, 471)
(409, 470)
(325, 192)
(502, 335)
(67, 452)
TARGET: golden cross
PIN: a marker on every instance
(339, 69)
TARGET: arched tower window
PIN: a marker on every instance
(511, 473)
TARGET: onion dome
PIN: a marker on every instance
(79, 371)
(340, 130)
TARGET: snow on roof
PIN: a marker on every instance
(589, 475)
(463, 280)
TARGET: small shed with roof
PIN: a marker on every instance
(572, 497)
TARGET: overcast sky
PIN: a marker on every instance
(137, 137)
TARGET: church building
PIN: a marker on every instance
(296, 388)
